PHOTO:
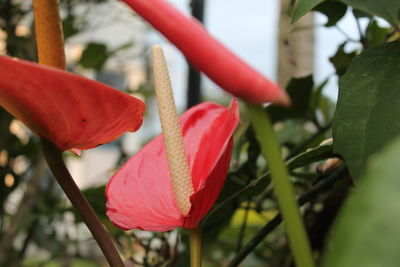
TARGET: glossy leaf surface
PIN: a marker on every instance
(368, 109)
(207, 54)
(70, 111)
(140, 194)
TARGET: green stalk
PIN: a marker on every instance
(195, 247)
(67, 183)
(283, 189)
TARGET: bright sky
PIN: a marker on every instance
(249, 28)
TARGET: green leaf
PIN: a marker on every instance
(299, 90)
(94, 56)
(317, 94)
(327, 108)
(360, 14)
(333, 10)
(376, 35)
(386, 9)
(69, 28)
(368, 108)
(303, 7)
(342, 59)
(312, 155)
(367, 231)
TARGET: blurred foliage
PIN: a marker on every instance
(366, 232)
(246, 215)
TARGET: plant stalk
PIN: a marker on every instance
(49, 35)
(284, 192)
(195, 247)
(54, 160)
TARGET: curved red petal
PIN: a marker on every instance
(207, 54)
(70, 111)
(203, 200)
(211, 163)
(140, 194)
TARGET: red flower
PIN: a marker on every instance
(140, 194)
(207, 54)
(70, 111)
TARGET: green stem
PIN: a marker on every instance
(64, 178)
(195, 247)
(284, 192)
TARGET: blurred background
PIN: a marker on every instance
(106, 41)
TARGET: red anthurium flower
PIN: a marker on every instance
(207, 54)
(70, 111)
(140, 194)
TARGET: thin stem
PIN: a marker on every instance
(61, 173)
(284, 192)
(195, 247)
(324, 185)
(244, 225)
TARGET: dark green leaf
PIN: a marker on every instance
(327, 108)
(368, 109)
(299, 90)
(303, 7)
(387, 9)
(69, 28)
(376, 35)
(334, 11)
(367, 231)
(94, 56)
(342, 59)
(360, 14)
(322, 104)
(316, 96)
(97, 199)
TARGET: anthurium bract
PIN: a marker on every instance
(140, 194)
(207, 54)
(70, 111)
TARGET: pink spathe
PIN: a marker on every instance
(140, 194)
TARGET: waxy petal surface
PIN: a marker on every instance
(140, 194)
(207, 54)
(68, 110)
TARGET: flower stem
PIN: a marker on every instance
(49, 35)
(195, 247)
(61, 173)
(284, 192)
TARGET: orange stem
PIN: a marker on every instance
(49, 35)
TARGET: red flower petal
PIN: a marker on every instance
(68, 110)
(203, 200)
(207, 54)
(140, 194)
